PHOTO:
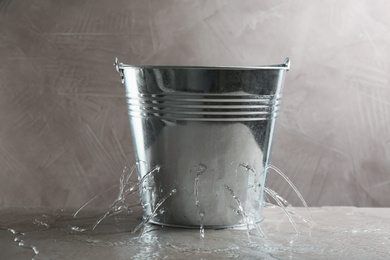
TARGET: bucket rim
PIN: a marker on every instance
(284, 66)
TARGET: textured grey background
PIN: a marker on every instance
(64, 133)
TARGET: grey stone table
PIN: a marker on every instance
(331, 233)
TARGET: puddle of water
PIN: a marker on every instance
(337, 234)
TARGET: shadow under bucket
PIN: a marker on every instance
(207, 133)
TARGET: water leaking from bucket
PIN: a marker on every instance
(158, 205)
(290, 183)
(201, 229)
(249, 221)
(278, 201)
(126, 190)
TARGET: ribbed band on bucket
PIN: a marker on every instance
(204, 107)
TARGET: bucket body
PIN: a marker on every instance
(202, 138)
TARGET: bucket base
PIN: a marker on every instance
(206, 226)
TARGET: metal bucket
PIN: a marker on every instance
(207, 133)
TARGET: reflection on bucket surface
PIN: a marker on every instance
(207, 128)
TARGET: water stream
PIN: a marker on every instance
(157, 207)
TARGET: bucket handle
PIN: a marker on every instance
(286, 63)
(120, 71)
(117, 64)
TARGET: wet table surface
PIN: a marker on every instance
(331, 233)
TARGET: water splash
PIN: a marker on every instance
(78, 229)
(158, 205)
(248, 221)
(109, 213)
(273, 195)
(93, 198)
(292, 213)
(41, 223)
(250, 168)
(123, 181)
(120, 205)
(333, 240)
(20, 242)
(126, 188)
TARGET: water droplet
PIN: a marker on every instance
(41, 223)
(201, 215)
(247, 167)
(78, 229)
(34, 248)
(201, 168)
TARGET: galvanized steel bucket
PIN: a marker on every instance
(207, 132)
